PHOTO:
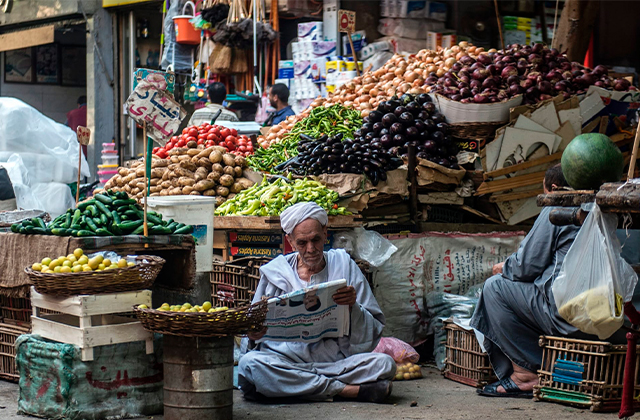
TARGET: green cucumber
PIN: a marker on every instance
(154, 219)
(103, 209)
(101, 198)
(130, 226)
(120, 203)
(83, 206)
(15, 228)
(67, 221)
(160, 230)
(76, 217)
(103, 232)
(139, 230)
(83, 233)
(104, 220)
(91, 225)
(184, 230)
(92, 210)
(116, 217)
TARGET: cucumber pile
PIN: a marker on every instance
(106, 214)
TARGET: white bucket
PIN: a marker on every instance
(191, 210)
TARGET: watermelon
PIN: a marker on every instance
(590, 160)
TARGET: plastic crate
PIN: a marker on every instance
(18, 309)
(465, 361)
(8, 335)
(234, 283)
(585, 374)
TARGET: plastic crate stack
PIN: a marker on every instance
(109, 165)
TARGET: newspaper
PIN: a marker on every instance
(307, 315)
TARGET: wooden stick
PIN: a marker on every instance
(79, 168)
(515, 196)
(510, 183)
(634, 155)
(144, 140)
(353, 51)
(521, 166)
(495, 2)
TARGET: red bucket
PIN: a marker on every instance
(185, 32)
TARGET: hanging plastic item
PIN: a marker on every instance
(185, 32)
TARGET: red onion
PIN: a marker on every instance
(561, 86)
(513, 80)
(509, 71)
(599, 70)
(553, 76)
(466, 60)
(544, 87)
(527, 83)
(480, 99)
(621, 85)
(484, 59)
(465, 92)
(533, 76)
(488, 83)
(480, 74)
(475, 83)
(534, 59)
(537, 48)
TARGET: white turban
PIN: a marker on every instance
(298, 213)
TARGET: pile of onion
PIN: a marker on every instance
(537, 72)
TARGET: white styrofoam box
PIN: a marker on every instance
(411, 8)
(444, 39)
(323, 48)
(457, 112)
(310, 31)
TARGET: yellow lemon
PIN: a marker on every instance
(212, 310)
(86, 268)
(206, 306)
(130, 264)
(76, 268)
(186, 305)
(106, 262)
(101, 266)
(65, 269)
(83, 259)
(122, 263)
(183, 310)
(57, 269)
(94, 262)
(53, 264)
(61, 258)
(99, 258)
(78, 252)
(46, 261)
(36, 267)
(71, 258)
(143, 307)
(67, 263)
(202, 310)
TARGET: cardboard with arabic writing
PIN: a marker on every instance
(346, 21)
(162, 80)
(84, 135)
(148, 104)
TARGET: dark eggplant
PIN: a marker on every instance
(396, 128)
(423, 98)
(389, 119)
(375, 116)
(406, 118)
(399, 111)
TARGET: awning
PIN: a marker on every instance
(27, 38)
(114, 3)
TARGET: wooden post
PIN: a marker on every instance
(413, 188)
(353, 51)
(495, 2)
(146, 180)
(575, 28)
(634, 155)
(79, 169)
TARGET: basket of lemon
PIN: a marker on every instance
(202, 320)
(100, 272)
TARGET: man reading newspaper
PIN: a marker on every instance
(341, 366)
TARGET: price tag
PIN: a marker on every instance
(84, 135)
(153, 106)
(346, 21)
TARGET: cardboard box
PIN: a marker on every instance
(255, 238)
(443, 39)
(254, 251)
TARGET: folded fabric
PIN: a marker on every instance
(594, 311)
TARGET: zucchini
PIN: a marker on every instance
(184, 230)
(104, 199)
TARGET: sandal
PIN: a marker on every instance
(512, 390)
(375, 392)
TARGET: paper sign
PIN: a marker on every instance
(346, 21)
(84, 134)
(161, 112)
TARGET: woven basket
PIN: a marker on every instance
(234, 283)
(140, 276)
(475, 131)
(235, 321)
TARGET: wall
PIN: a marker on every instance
(52, 101)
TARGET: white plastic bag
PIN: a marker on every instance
(367, 245)
(594, 281)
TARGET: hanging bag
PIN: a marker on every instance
(594, 281)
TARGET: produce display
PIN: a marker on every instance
(109, 213)
(271, 199)
(410, 120)
(537, 72)
(186, 307)
(408, 371)
(208, 135)
(187, 171)
(590, 160)
(281, 145)
(77, 262)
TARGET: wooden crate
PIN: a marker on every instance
(465, 361)
(8, 335)
(584, 373)
(233, 284)
(89, 321)
(18, 309)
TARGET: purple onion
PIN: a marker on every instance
(489, 83)
(480, 99)
(534, 59)
(484, 59)
(600, 70)
(480, 74)
(508, 72)
(466, 60)
(544, 87)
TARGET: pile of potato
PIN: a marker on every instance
(187, 171)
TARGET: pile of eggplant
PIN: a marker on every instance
(336, 154)
(410, 120)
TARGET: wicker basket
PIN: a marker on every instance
(475, 131)
(140, 276)
(465, 361)
(592, 374)
(233, 284)
(8, 335)
(236, 321)
(18, 309)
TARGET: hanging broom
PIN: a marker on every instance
(239, 61)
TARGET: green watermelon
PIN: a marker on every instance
(590, 160)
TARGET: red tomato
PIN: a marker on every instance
(211, 136)
(183, 137)
(225, 132)
(200, 141)
(234, 132)
(185, 130)
(193, 131)
(230, 138)
(162, 154)
(155, 150)
(209, 143)
(168, 147)
(242, 149)
(181, 143)
(190, 138)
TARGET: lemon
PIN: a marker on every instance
(65, 269)
(113, 265)
(36, 267)
(46, 261)
(212, 310)
(98, 258)
(86, 268)
(206, 306)
(61, 258)
(186, 305)
(78, 252)
(83, 259)
(101, 266)
(183, 309)
(75, 264)
(130, 264)
(76, 268)
(57, 269)
(67, 263)
(53, 264)
(94, 262)
(122, 263)
(143, 306)
(106, 262)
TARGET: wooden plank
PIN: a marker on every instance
(480, 214)
(219, 239)
(27, 38)
(522, 166)
(515, 195)
(273, 222)
(566, 198)
(510, 183)
(88, 305)
(441, 198)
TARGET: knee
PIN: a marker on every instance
(492, 286)
(248, 362)
(386, 364)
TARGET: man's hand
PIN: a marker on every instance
(345, 296)
(497, 269)
(257, 335)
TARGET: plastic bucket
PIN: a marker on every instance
(185, 32)
(191, 210)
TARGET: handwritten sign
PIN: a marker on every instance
(346, 21)
(84, 134)
(160, 111)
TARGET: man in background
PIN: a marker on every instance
(279, 99)
(217, 94)
(78, 117)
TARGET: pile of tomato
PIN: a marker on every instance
(208, 135)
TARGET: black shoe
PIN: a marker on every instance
(375, 392)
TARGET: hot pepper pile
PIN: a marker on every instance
(106, 214)
(271, 199)
(332, 120)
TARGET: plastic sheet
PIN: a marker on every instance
(180, 56)
(367, 245)
(53, 197)
(595, 280)
(19, 175)
(398, 349)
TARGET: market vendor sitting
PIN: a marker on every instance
(517, 304)
(343, 367)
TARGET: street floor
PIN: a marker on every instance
(432, 397)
